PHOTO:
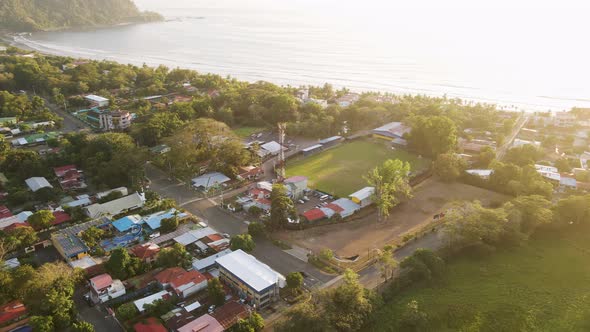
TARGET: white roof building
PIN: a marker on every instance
(344, 206)
(150, 299)
(362, 195)
(194, 235)
(202, 265)
(101, 101)
(37, 183)
(251, 271)
(520, 142)
(116, 206)
(554, 176)
(272, 147)
(482, 173)
(545, 168)
(209, 180)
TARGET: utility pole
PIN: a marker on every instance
(281, 164)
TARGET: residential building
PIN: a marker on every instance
(105, 120)
(270, 148)
(150, 324)
(482, 173)
(147, 252)
(248, 172)
(162, 295)
(12, 315)
(69, 177)
(183, 283)
(363, 197)
(208, 181)
(584, 158)
(160, 149)
(564, 119)
(255, 281)
(343, 206)
(230, 313)
(521, 142)
(35, 139)
(68, 243)
(194, 235)
(114, 207)
(205, 323)
(103, 288)
(154, 221)
(393, 132)
(208, 263)
(348, 99)
(97, 100)
(296, 186)
(545, 168)
(126, 223)
(37, 183)
(553, 176)
(121, 119)
(566, 182)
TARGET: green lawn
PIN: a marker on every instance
(244, 132)
(544, 286)
(340, 170)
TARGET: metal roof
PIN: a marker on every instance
(251, 271)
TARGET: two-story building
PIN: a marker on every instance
(255, 281)
(103, 288)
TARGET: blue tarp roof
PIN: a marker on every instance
(125, 223)
(155, 220)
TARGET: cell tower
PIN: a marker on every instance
(280, 168)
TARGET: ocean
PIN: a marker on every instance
(527, 56)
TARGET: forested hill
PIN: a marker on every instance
(44, 15)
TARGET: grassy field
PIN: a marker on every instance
(244, 132)
(544, 286)
(340, 170)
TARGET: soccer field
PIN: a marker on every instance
(340, 170)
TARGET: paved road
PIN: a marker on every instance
(225, 222)
(97, 315)
(70, 123)
(522, 120)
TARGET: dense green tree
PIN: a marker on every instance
(216, 292)
(563, 165)
(449, 166)
(83, 327)
(20, 237)
(242, 241)
(470, 224)
(254, 323)
(529, 212)
(432, 135)
(256, 229)
(169, 224)
(175, 256)
(42, 323)
(387, 264)
(23, 164)
(485, 157)
(294, 280)
(282, 208)
(348, 306)
(413, 319)
(127, 311)
(304, 316)
(524, 155)
(92, 236)
(573, 211)
(122, 265)
(391, 183)
(41, 219)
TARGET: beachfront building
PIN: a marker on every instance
(255, 281)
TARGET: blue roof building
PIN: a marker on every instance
(126, 223)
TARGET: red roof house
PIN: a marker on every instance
(60, 217)
(229, 314)
(70, 177)
(16, 225)
(150, 324)
(314, 214)
(146, 251)
(335, 208)
(12, 312)
(4, 212)
(184, 283)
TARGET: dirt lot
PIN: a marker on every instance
(359, 236)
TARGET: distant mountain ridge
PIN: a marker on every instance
(47, 15)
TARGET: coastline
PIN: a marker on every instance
(21, 41)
